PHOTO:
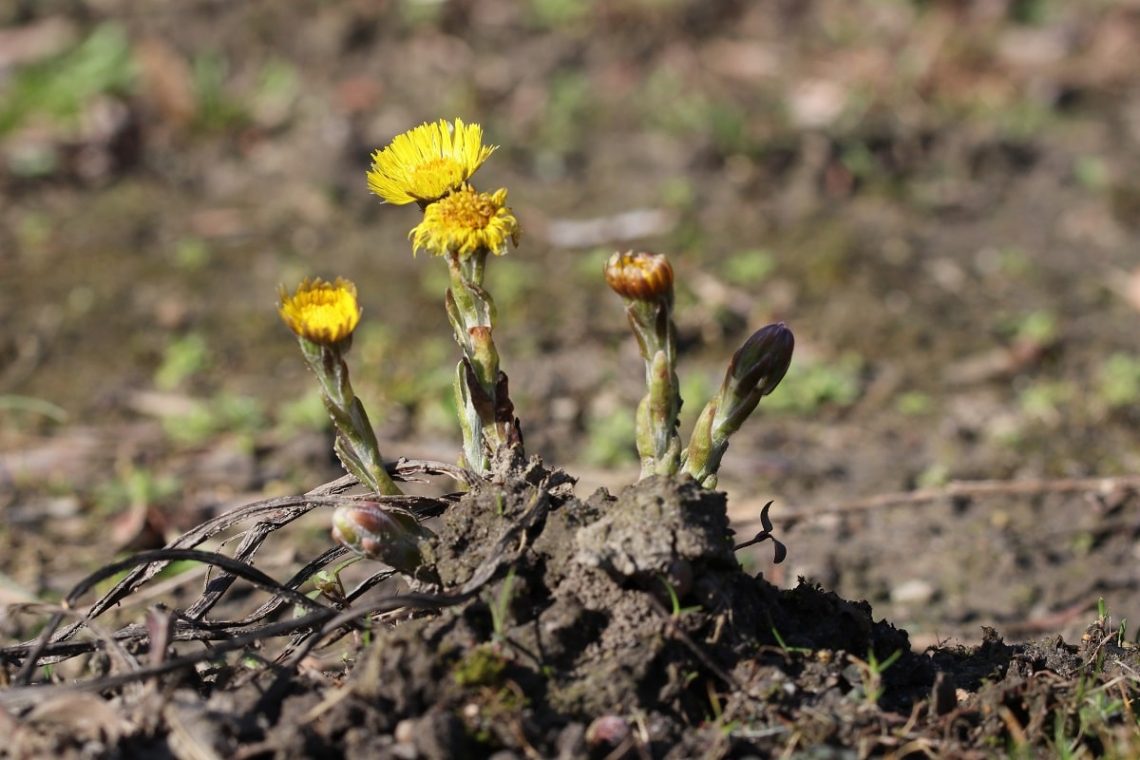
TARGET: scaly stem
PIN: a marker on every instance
(658, 442)
(485, 410)
(356, 443)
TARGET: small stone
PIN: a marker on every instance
(914, 591)
(608, 730)
(405, 732)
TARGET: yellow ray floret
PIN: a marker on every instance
(319, 311)
(427, 162)
(465, 222)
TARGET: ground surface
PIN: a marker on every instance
(939, 198)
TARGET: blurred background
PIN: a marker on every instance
(941, 199)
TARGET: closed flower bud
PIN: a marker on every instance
(321, 312)
(381, 533)
(639, 275)
(754, 372)
(763, 360)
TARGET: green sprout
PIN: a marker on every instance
(872, 670)
(500, 609)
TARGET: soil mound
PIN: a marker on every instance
(545, 625)
(624, 617)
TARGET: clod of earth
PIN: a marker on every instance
(621, 606)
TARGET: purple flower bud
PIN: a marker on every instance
(387, 534)
(763, 360)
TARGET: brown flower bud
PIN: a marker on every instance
(639, 275)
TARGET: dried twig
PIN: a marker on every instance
(272, 515)
(960, 489)
(308, 631)
(230, 565)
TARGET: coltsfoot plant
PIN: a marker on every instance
(645, 281)
(323, 316)
(431, 165)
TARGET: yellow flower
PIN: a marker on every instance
(465, 222)
(319, 311)
(426, 163)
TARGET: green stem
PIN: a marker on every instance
(658, 442)
(754, 371)
(470, 421)
(486, 414)
(356, 443)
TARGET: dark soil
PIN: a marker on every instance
(940, 198)
(610, 627)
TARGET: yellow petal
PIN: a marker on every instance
(428, 162)
(466, 221)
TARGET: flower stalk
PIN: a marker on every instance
(323, 316)
(356, 445)
(645, 281)
(486, 414)
(753, 372)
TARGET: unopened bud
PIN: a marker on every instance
(386, 534)
(754, 372)
(763, 360)
(639, 275)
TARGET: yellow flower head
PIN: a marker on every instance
(465, 222)
(427, 162)
(319, 311)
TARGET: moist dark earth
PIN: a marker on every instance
(939, 199)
